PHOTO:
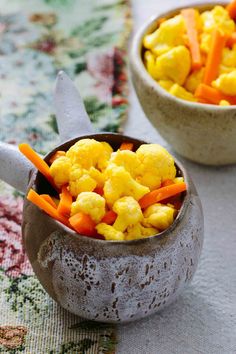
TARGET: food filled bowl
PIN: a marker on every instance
(109, 280)
(184, 71)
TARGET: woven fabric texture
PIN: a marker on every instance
(87, 39)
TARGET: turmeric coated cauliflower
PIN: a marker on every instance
(150, 62)
(104, 156)
(159, 215)
(119, 183)
(80, 181)
(194, 79)
(128, 213)
(205, 42)
(224, 103)
(225, 69)
(89, 152)
(60, 171)
(127, 159)
(156, 165)
(168, 35)
(226, 83)
(219, 18)
(91, 204)
(174, 65)
(97, 176)
(109, 232)
(180, 92)
(139, 231)
(166, 84)
(229, 57)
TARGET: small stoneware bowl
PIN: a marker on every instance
(96, 279)
(203, 133)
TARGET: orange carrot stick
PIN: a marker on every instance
(231, 40)
(175, 201)
(126, 146)
(45, 206)
(58, 154)
(189, 16)
(214, 57)
(37, 161)
(162, 193)
(202, 100)
(64, 206)
(167, 182)
(99, 190)
(231, 8)
(83, 224)
(109, 218)
(49, 200)
(56, 201)
(212, 95)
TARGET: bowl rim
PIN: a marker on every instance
(159, 236)
(136, 59)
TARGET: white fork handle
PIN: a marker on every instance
(15, 169)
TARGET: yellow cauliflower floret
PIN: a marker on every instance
(229, 57)
(133, 232)
(80, 181)
(97, 176)
(84, 153)
(225, 69)
(91, 204)
(149, 231)
(224, 103)
(104, 156)
(205, 42)
(178, 180)
(226, 83)
(150, 63)
(60, 170)
(168, 35)
(157, 165)
(138, 231)
(193, 80)
(128, 213)
(174, 65)
(127, 159)
(159, 215)
(218, 18)
(166, 84)
(109, 232)
(180, 92)
(119, 183)
(89, 152)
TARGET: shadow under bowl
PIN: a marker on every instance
(111, 281)
(203, 133)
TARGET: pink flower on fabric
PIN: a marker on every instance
(12, 256)
(101, 67)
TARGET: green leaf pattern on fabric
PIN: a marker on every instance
(84, 39)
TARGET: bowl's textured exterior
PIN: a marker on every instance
(203, 133)
(113, 281)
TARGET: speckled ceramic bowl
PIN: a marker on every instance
(105, 280)
(203, 133)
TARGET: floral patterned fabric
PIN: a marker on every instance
(87, 39)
